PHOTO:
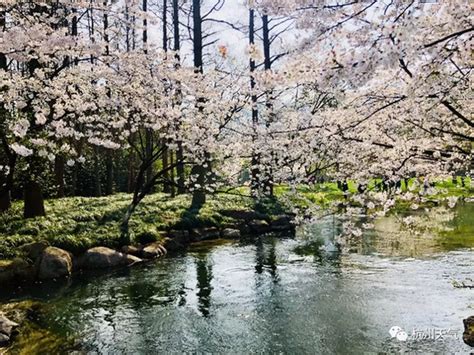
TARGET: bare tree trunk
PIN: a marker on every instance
(59, 166)
(164, 160)
(177, 47)
(33, 196)
(254, 170)
(7, 184)
(34, 201)
(131, 172)
(148, 134)
(199, 195)
(171, 175)
(267, 180)
(109, 185)
(97, 184)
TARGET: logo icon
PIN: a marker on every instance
(398, 332)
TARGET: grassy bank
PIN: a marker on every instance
(77, 223)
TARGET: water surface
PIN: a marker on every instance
(273, 294)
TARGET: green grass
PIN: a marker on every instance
(77, 223)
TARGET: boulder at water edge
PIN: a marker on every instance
(15, 270)
(102, 258)
(54, 263)
(468, 335)
(153, 250)
(6, 329)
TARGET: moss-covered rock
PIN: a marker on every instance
(103, 258)
(15, 270)
(54, 263)
(468, 335)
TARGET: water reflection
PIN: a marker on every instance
(272, 295)
(204, 288)
(265, 256)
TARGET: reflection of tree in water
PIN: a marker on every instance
(204, 279)
(266, 258)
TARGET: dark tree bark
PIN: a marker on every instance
(267, 179)
(255, 171)
(171, 175)
(177, 47)
(131, 172)
(164, 160)
(59, 165)
(97, 184)
(33, 196)
(199, 194)
(148, 134)
(6, 183)
(34, 201)
(109, 185)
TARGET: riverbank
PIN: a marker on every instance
(82, 233)
(77, 224)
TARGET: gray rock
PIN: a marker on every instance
(153, 250)
(282, 223)
(34, 250)
(230, 233)
(199, 234)
(132, 259)
(54, 263)
(181, 237)
(259, 226)
(179, 234)
(7, 327)
(102, 258)
(4, 340)
(171, 244)
(132, 250)
(15, 270)
(468, 335)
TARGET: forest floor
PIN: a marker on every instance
(79, 223)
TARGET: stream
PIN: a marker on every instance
(273, 294)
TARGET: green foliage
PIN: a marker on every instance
(79, 223)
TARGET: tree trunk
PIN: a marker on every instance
(109, 186)
(199, 194)
(131, 172)
(124, 226)
(59, 175)
(267, 180)
(34, 201)
(97, 184)
(5, 186)
(166, 177)
(164, 158)
(254, 169)
(5, 201)
(148, 133)
(177, 46)
(171, 176)
(180, 169)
